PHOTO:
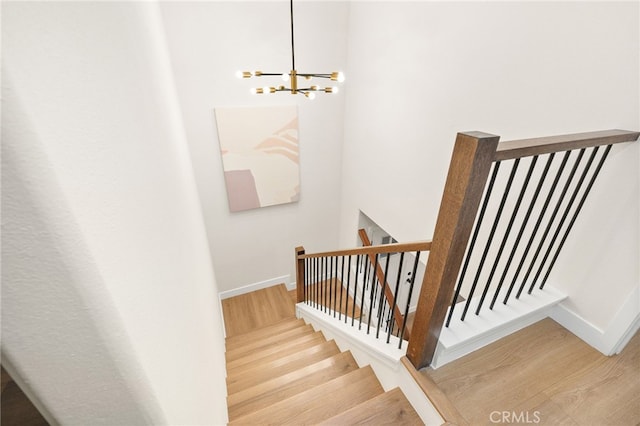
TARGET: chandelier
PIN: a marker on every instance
(292, 77)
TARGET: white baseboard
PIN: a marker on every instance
(618, 333)
(462, 338)
(256, 286)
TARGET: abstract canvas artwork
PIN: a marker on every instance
(260, 156)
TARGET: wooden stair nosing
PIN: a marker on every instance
(276, 389)
(277, 327)
(254, 376)
(390, 408)
(260, 357)
(439, 399)
(267, 342)
(310, 406)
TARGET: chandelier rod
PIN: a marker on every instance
(293, 55)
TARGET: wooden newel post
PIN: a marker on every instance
(299, 275)
(471, 161)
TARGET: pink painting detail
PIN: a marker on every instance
(241, 190)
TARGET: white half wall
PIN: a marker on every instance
(423, 71)
(109, 307)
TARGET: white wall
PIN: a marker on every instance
(423, 71)
(209, 42)
(109, 308)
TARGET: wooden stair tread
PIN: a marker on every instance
(253, 376)
(270, 341)
(252, 359)
(320, 402)
(279, 388)
(391, 407)
(285, 324)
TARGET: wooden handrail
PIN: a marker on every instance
(382, 280)
(384, 248)
(509, 150)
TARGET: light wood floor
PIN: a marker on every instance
(257, 309)
(549, 374)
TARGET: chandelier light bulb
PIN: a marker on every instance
(285, 77)
(310, 95)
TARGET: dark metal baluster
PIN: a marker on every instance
(476, 230)
(522, 228)
(314, 290)
(395, 297)
(383, 298)
(330, 283)
(575, 214)
(406, 309)
(565, 214)
(365, 285)
(307, 279)
(346, 296)
(373, 291)
(490, 239)
(551, 219)
(321, 278)
(355, 290)
(335, 286)
(507, 232)
(341, 288)
(318, 281)
(323, 288)
(334, 280)
(327, 285)
(543, 211)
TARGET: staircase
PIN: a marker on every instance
(287, 373)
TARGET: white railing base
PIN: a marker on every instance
(475, 332)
